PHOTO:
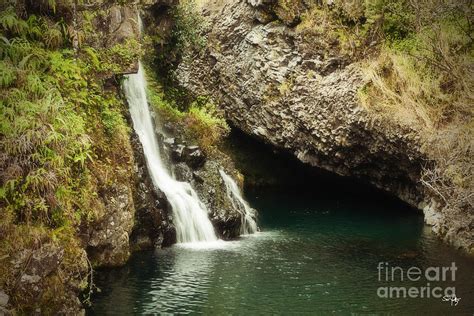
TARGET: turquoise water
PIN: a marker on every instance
(317, 253)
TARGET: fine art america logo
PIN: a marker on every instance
(388, 273)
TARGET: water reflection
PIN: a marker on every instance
(186, 278)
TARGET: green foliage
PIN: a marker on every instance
(430, 57)
(289, 11)
(63, 137)
(206, 123)
(353, 28)
(111, 117)
(167, 109)
(7, 74)
(168, 47)
(189, 26)
(93, 57)
(53, 38)
(39, 125)
(120, 56)
(199, 121)
(423, 78)
(10, 22)
(420, 52)
(341, 28)
(395, 16)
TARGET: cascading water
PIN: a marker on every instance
(189, 213)
(249, 226)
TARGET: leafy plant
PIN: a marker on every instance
(189, 26)
(199, 121)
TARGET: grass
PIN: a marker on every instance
(424, 79)
(398, 91)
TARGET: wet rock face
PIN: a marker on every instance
(190, 164)
(152, 228)
(191, 155)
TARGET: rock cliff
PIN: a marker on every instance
(303, 97)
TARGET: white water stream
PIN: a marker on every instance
(190, 215)
(249, 226)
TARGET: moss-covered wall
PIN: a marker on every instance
(68, 180)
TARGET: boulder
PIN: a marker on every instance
(194, 157)
(108, 243)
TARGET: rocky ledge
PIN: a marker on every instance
(191, 164)
(272, 86)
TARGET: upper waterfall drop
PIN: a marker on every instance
(249, 225)
(190, 215)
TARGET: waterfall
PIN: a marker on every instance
(190, 215)
(249, 226)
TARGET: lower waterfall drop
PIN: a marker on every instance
(249, 225)
(190, 215)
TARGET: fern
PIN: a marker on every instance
(9, 21)
(52, 5)
(93, 57)
(52, 104)
(35, 86)
(35, 27)
(53, 37)
(16, 50)
(7, 75)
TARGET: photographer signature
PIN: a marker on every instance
(451, 298)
